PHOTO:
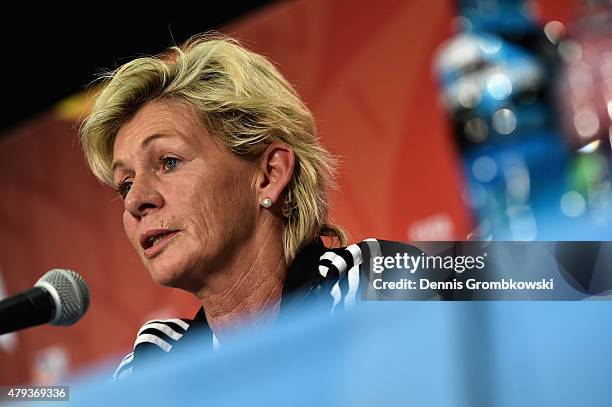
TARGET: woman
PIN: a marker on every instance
(224, 184)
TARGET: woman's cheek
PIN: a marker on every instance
(130, 229)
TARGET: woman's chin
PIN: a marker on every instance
(165, 281)
(165, 276)
(172, 277)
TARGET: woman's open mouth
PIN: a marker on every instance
(153, 242)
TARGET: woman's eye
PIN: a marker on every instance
(124, 188)
(170, 163)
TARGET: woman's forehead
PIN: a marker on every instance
(162, 117)
(166, 120)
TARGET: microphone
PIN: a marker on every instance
(60, 297)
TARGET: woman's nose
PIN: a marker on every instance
(142, 198)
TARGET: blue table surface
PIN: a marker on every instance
(390, 354)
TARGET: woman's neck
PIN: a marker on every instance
(248, 291)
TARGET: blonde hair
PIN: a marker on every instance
(244, 102)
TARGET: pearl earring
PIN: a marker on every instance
(266, 202)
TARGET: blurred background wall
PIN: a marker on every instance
(400, 91)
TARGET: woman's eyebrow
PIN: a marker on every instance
(151, 138)
(117, 164)
(143, 144)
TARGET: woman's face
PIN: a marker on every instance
(189, 204)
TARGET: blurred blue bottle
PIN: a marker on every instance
(498, 79)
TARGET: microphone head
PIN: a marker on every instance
(70, 294)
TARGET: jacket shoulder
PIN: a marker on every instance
(154, 336)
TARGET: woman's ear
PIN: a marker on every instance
(276, 166)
